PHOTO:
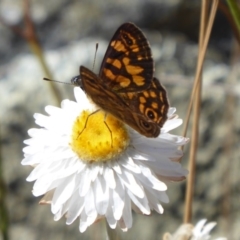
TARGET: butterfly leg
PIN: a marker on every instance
(105, 116)
(85, 125)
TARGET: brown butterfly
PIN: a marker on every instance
(125, 86)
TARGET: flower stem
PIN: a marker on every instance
(205, 31)
(4, 222)
(37, 51)
(201, 57)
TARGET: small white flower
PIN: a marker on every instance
(92, 166)
(189, 232)
(202, 231)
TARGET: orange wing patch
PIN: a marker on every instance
(123, 81)
(153, 94)
(133, 70)
(118, 46)
(109, 74)
(154, 105)
(115, 62)
(142, 100)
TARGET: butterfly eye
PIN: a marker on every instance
(76, 80)
(128, 40)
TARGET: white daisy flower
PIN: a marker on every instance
(188, 232)
(93, 166)
(202, 230)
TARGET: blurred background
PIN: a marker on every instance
(68, 31)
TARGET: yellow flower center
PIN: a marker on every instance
(98, 137)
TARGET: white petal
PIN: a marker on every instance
(208, 227)
(32, 149)
(171, 124)
(142, 203)
(90, 209)
(160, 196)
(129, 181)
(81, 98)
(151, 180)
(85, 183)
(83, 222)
(135, 154)
(93, 172)
(63, 193)
(44, 184)
(71, 109)
(35, 132)
(109, 177)
(81, 167)
(116, 168)
(154, 202)
(171, 111)
(51, 110)
(64, 208)
(198, 228)
(79, 95)
(76, 206)
(127, 212)
(101, 168)
(174, 139)
(101, 192)
(129, 164)
(118, 200)
(167, 169)
(43, 169)
(109, 215)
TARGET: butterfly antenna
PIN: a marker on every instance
(95, 55)
(50, 80)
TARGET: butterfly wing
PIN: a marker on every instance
(152, 103)
(127, 65)
(112, 103)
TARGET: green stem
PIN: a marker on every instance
(235, 11)
(37, 51)
(4, 221)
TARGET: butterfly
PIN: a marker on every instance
(125, 86)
